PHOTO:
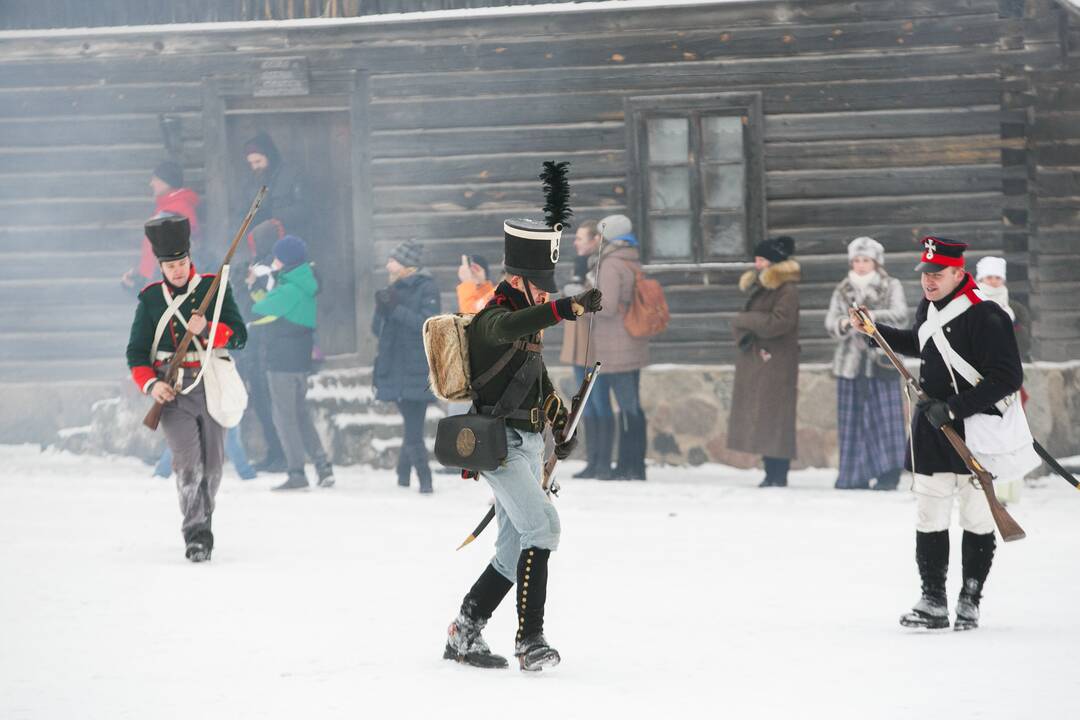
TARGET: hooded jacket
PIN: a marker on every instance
(287, 316)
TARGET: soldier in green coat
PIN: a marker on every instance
(527, 520)
(165, 310)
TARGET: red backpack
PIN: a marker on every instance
(648, 314)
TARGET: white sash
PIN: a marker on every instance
(1003, 444)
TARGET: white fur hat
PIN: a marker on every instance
(990, 266)
(866, 247)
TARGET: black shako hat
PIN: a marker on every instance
(169, 236)
(939, 253)
(531, 247)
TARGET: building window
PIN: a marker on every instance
(696, 175)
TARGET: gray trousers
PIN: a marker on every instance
(198, 449)
(292, 419)
(525, 514)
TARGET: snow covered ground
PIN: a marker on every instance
(694, 595)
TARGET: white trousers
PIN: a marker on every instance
(934, 501)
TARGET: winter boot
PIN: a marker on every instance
(888, 480)
(464, 642)
(325, 471)
(419, 454)
(404, 466)
(605, 441)
(199, 546)
(776, 472)
(589, 471)
(931, 612)
(641, 446)
(624, 454)
(531, 648)
(978, 554)
(297, 480)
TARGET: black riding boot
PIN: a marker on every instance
(404, 466)
(531, 648)
(464, 642)
(591, 443)
(931, 612)
(977, 552)
(776, 471)
(419, 454)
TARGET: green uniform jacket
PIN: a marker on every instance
(492, 333)
(231, 331)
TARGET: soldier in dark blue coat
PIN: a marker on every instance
(970, 368)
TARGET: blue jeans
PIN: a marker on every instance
(623, 385)
(525, 514)
(234, 450)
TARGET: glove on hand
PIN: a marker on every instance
(563, 449)
(385, 298)
(589, 302)
(936, 411)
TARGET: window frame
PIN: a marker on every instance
(640, 109)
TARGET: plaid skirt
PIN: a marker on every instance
(873, 439)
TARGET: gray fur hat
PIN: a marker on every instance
(866, 247)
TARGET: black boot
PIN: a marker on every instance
(531, 648)
(931, 612)
(776, 472)
(464, 642)
(419, 454)
(325, 471)
(199, 544)
(297, 480)
(404, 466)
(978, 554)
(605, 441)
(624, 454)
(589, 471)
(888, 480)
(641, 446)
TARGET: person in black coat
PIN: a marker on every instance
(401, 369)
(287, 198)
(978, 338)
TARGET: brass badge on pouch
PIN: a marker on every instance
(466, 442)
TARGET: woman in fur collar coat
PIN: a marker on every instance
(870, 413)
(767, 364)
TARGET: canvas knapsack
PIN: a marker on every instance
(446, 344)
(648, 314)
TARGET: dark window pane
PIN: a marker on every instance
(669, 188)
(724, 234)
(724, 186)
(722, 137)
(670, 238)
(669, 140)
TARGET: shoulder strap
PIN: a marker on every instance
(173, 308)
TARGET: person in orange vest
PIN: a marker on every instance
(474, 289)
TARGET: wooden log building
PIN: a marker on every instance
(711, 124)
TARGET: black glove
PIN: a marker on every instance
(589, 301)
(936, 411)
(385, 298)
(563, 449)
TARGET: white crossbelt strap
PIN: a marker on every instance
(173, 308)
(933, 329)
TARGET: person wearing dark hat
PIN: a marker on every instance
(286, 318)
(970, 368)
(287, 198)
(400, 374)
(165, 310)
(765, 393)
(528, 522)
(170, 198)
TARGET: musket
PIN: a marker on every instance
(172, 372)
(577, 407)
(1008, 527)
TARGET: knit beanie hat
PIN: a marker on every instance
(291, 251)
(615, 226)
(170, 173)
(408, 253)
(775, 249)
(479, 260)
(866, 247)
(990, 266)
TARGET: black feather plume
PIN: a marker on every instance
(556, 194)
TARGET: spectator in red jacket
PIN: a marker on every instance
(170, 198)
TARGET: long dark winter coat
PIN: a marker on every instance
(767, 363)
(401, 369)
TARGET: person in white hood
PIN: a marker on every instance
(990, 274)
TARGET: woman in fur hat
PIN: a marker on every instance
(767, 363)
(870, 413)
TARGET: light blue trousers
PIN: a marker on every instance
(523, 511)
